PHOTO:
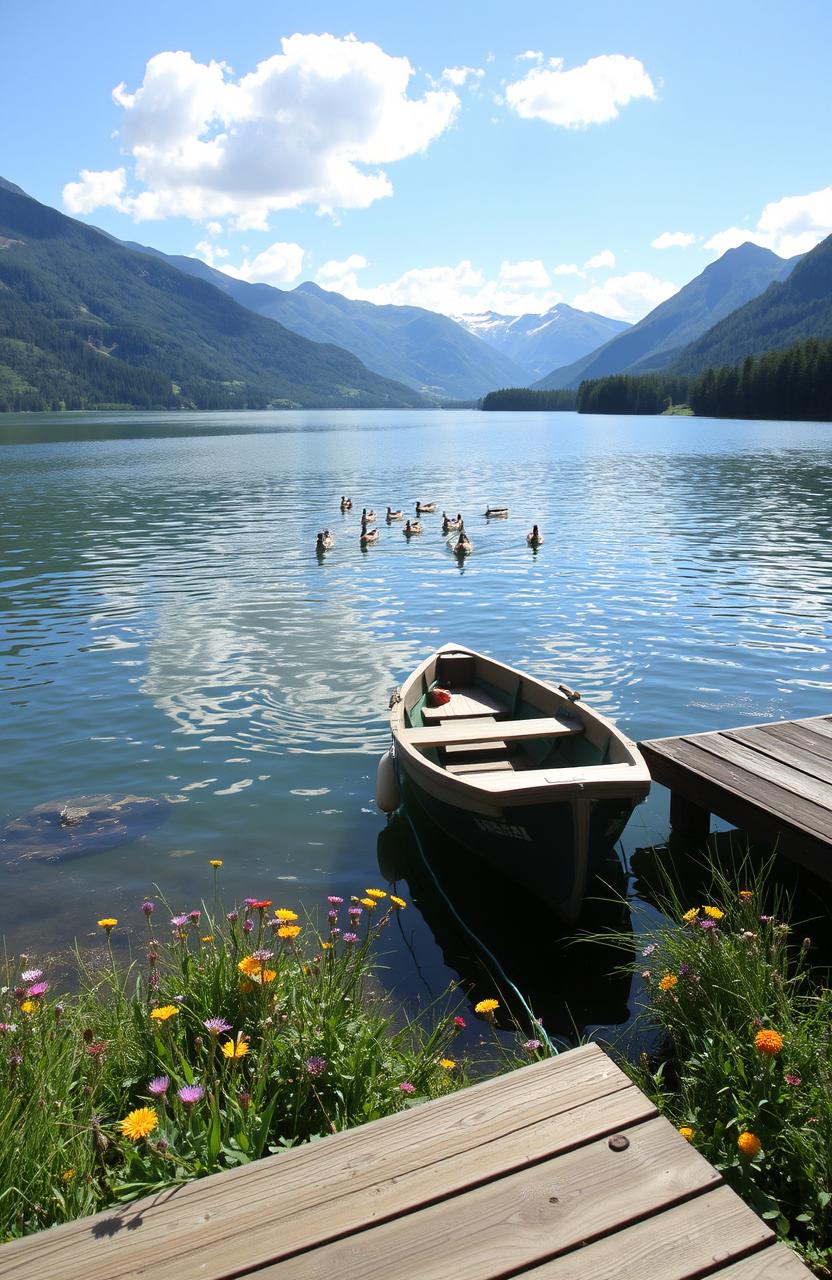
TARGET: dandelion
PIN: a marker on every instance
(334, 900)
(158, 1086)
(398, 902)
(236, 1048)
(316, 1066)
(209, 937)
(190, 1094)
(216, 1026)
(691, 915)
(768, 1042)
(375, 893)
(668, 982)
(714, 913)
(164, 1011)
(37, 990)
(369, 903)
(28, 1006)
(447, 1064)
(486, 1006)
(67, 1175)
(687, 1133)
(31, 975)
(791, 1078)
(139, 1123)
(148, 908)
(288, 931)
(406, 1087)
(749, 1144)
(215, 862)
(108, 924)
(249, 966)
(326, 946)
(745, 895)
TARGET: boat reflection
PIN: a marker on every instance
(572, 984)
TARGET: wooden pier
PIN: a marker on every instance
(559, 1171)
(772, 780)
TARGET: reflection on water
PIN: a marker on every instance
(167, 630)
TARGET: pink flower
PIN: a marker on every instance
(459, 1021)
(31, 975)
(148, 908)
(38, 989)
(194, 916)
(349, 938)
(158, 1086)
(791, 1078)
(178, 922)
(407, 1087)
(334, 900)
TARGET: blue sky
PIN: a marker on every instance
(460, 155)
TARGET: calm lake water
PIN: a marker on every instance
(168, 632)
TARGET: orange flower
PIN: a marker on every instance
(749, 1144)
(768, 1042)
(249, 966)
(746, 895)
(236, 1048)
(265, 975)
(668, 981)
(486, 1006)
(139, 1123)
(288, 931)
(687, 1133)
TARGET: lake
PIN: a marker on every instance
(168, 633)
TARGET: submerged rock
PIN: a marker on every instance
(63, 829)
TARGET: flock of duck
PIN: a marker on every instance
(453, 528)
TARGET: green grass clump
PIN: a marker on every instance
(234, 1036)
(745, 1070)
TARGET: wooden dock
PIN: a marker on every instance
(559, 1171)
(772, 780)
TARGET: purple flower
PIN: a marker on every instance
(766, 919)
(6, 1027)
(407, 1087)
(531, 1046)
(249, 902)
(349, 938)
(148, 907)
(190, 1093)
(15, 1059)
(194, 916)
(248, 926)
(178, 922)
(244, 1100)
(31, 975)
(335, 900)
(355, 912)
(232, 916)
(685, 970)
(332, 915)
(217, 1026)
(706, 924)
(791, 1078)
(315, 1066)
(265, 953)
(648, 951)
(38, 989)
(158, 1086)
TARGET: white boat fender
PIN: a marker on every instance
(388, 793)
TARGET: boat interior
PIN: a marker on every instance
(498, 720)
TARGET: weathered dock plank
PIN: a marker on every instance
(563, 1161)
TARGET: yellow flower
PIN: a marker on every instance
(139, 1123)
(486, 1006)
(215, 862)
(108, 923)
(209, 937)
(749, 1144)
(29, 1006)
(235, 1048)
(326, 946)
(691, 915)
(288, 931)
(265, 975)
(687, 1133)
(447, 1063)
(714, 913)
(397, 902)
(67, 1175)
(375, 893)
(283, 913)
(745, 895)
(249, 966)
(768, 1042)
(668, 981)
(163, 1012)
(369, 903)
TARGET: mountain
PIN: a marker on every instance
(541, 342)
(734, 279)
(85, 321)
(428, 352)
(799, 307)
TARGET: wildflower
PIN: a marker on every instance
(31, 975)
(258, 904)
(691, 915)
(108, 924)
(232, 916)
(38, 989)
(209, 937)
(194, 916)
(748, 936)
(244, 1100)
(791, 1078)
(236, 1048)
(216, 1026)
(248, 926)
(765, 919)
(326, 946)
(190, 1094)
(15, 1058)
(369, 903)
(288, 931)
(350, 938)
(648, 951)
(98, 1051)
(668, 982)
(375, 893)
(447, 1064)
(749, 1144)
(263, 954)
(531, 1046)
(215, 862)
(148, 908)
(29, 1006)
(158, 1086)
(707, 925)
(334, 900)
(486, 1006)
(687, 1133)
(398, 902)
(264, 975)
(332, 915)
(139, 1123)
(67, 1175)
(354, 913)
(7, 1027)
(249, 966)
(646, 975)
(459, 1021)
(745, 895)
(178, 922)
(406, 1087)
(316, 1066)
(768, 1042)
(714, 913)
(164, 1011)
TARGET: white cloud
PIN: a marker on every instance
(568, 269)
(585, 95)
(606, 258)
(458, 75)
(524, 275)
(309, 125)
(214, 228)
(210, 253)
(627, 297)
(531, 55)
(789, 226)
(278, 265)
(336, 270)
(673, 240)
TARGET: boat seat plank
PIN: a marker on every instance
(465, 702)
(444, 735)
(479, 766)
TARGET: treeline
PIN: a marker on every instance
(523, 398)
(795, 383)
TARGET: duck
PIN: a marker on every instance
(535, 538)
(496, 513)
(346, 503)
(424, 508)
(325, 542)
(368, 535)
(367, 517)
(411, 527)
(393, 515)
(451, 522)
(462, 546)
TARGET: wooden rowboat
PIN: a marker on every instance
(518, 771)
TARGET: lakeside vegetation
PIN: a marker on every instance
(523, 399)
(795, 383)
